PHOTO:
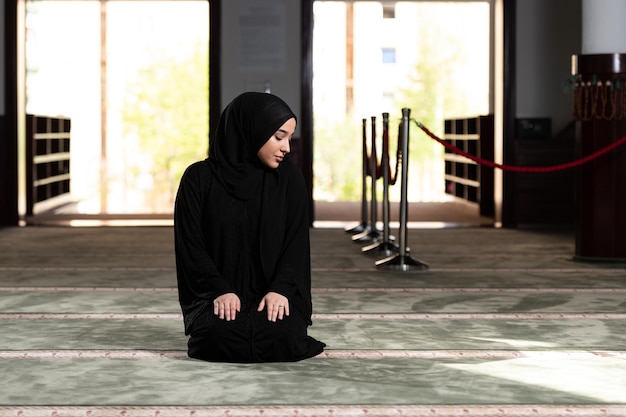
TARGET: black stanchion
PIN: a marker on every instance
(363, 226)
(384, 247)
(402, 261)
(373, 234)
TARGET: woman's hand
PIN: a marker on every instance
(277, 306)
(226, 306)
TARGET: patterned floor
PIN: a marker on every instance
(502, 323)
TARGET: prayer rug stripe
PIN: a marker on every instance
(328, 354)
(89, 289)
(603, 271)
(342, 316)
(526, 410)
(86, 268)
(336, 290)
(472, 316)
(470, 290)
(105, 255)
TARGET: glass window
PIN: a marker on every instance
(432, 57)
(389, 55)
(136, 93)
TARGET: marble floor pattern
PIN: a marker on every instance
(502, 323)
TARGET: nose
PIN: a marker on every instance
(286, 147)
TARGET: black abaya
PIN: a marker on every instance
(242, 228)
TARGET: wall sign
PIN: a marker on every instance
(262, 37)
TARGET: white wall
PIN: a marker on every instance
(604, 31)
(262, 50)
(548, 34)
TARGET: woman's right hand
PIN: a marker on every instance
(226, 306)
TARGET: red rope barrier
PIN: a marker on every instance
(393, 176)
(379, 168)
(514, 168)
(379, 171)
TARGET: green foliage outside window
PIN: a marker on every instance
(165, 117)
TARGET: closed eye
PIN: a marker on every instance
(279, 138)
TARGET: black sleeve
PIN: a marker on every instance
(292, 277)
(198, 278)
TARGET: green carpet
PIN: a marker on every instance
(503, 323)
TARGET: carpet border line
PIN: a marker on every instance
(496, 354)
(330, 316)
(486, 410)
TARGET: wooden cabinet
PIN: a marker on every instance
(465, 179)
(545, 198)
(48, 162)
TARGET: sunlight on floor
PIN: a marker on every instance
(587, 374)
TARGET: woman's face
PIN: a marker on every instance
(277, 146)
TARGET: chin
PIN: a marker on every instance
(272, 165)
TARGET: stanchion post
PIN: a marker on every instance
(363, 226)
(384, 247)
(373, 234)
(402, 261)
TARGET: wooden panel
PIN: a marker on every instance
(601, 225)
(546, 198)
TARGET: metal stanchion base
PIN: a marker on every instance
(358, 228)
(399, 262)
(385, 248)
(367, 236)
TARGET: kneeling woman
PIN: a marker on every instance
(242, 241)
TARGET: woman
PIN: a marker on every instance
(242, 241)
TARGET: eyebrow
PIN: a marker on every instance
(283, 131)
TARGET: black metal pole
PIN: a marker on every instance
(384, 247)
(373, 234)
(402, 261)
(363, 226)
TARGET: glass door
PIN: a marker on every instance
(132, 76)
(371, 57)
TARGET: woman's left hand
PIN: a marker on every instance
(277, 306)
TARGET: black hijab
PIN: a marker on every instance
(244, 127)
